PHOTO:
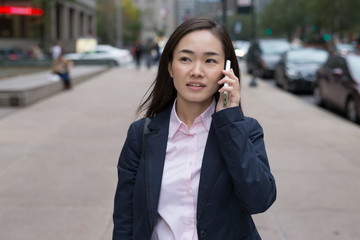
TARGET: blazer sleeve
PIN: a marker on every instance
(127, 169)
(242, 145)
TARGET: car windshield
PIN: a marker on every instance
(307, 56)
(274, 47)
(354, 66)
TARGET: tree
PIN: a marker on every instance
(309, 18)
(245, 21)
(106, 21)
(131, 19)
(335, 17)
(283, 17)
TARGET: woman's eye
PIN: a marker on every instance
(210, 61)
(184, 59)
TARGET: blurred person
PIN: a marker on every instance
(152, 53)
(56, 50)
(61, 67)
(137, 52)
(34, 51)
(155, 52)
(193, 168)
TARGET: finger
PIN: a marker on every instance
(230, 73)
(226, 88)
(227, 80)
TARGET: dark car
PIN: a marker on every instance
(338, 84)
(264, 54)
(297, 68)
(11, 53)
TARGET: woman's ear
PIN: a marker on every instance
(170, 70)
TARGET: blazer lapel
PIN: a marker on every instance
(156, 141)
(210, 169)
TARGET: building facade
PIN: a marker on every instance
(24, 23)
(163, 16)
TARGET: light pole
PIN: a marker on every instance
(253, 82)
(119, 28)
(224, 10)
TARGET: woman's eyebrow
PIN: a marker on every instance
(192, 52)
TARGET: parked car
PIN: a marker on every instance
(115, 56)
(344, 48)
(12, 53)
(264, 54)
(297, 68)
(241, 48)
(338, 84)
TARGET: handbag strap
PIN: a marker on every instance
(145, 131)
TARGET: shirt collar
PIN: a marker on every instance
(205, 117)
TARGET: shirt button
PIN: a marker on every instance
(190, 164)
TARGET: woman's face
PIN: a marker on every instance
(196, 67)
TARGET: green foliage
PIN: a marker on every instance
(106, 21)
(299, 17)
(246, 31)
(131, 22)
(283, 17)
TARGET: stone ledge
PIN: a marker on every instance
(27, 89)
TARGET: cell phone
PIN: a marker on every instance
(227, 68)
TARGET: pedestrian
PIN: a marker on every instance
(56, 50)
(197, 169)
(137, 51)
(61, 67)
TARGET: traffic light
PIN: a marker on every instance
(268, 31)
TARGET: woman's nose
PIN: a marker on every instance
(197, 70)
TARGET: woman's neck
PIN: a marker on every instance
(188, 112)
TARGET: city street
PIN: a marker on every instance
(58, 161)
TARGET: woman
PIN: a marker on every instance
(61, 67)
(200, 170)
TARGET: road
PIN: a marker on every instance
(58, 162)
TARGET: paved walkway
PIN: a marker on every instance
(58, 162)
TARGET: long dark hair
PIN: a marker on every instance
(162, 90)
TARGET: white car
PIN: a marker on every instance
(114, 56)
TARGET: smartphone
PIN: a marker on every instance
(227, 68)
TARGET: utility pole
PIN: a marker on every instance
(224, 10)
(118, 24)
(253, 20)
(253, 82)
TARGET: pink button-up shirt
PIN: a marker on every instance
(180, 181)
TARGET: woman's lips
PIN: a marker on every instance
(195, 85)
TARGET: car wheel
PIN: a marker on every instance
(277, 79)
(286, 86)
(260, 73)
(113, 63)
(318, 96)
(248, 69)
(351, 110)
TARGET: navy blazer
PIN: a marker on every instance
(235, 178)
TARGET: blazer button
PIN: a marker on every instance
(202, 234)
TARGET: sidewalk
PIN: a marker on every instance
(58, 162)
